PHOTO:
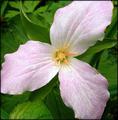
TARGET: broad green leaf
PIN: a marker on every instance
(57, 107)
(48, 11)
(48, 18)
(108, 68)
(44, 91)
(3, 6)
(39, 20)
(34, 32)
(29, 6)
(18, 31)
(98, 47)
(41, 9)
(8, 44)
(53, 6)
(113, 90)
(115, 3)
(4, 114)
(110, 112)
(11, 13)
(31, 110)
(8, 102)
(96, 59)
(13, 37)
(113, 26)
(14, 4)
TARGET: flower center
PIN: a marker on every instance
(61, 56)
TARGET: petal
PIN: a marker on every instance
(27, 69)
(81, 24)
(83, 89)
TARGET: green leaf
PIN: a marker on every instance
(113, 27)
(14, 4)
(8, 44)
(98, 47)
(31, 110)
(44, 91)
(96, 59)
(3, 7)
(29, 6)
(57, 107)
(108, 68)
(115, 3)
(53, 6)
(34, 32)
(9, 101)
(4, 114)
(113, 90)
(41, 9)
(13, 37)
(110, 112)
(39, 20)
(11, 13)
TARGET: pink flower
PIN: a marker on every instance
(76, 27)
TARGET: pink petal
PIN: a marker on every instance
(27, 69)
(81, 24)
(83, 89)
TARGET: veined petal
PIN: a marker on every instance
(83, 89)
(81, 24)
(27, 69)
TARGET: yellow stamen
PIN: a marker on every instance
(61, 56)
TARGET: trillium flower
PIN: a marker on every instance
(75, 28)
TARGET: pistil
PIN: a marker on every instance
(61, 56)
